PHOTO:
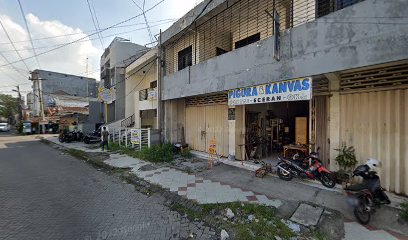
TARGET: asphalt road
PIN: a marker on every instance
(47, 195)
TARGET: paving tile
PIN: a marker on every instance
(307, 215)
(182, 193)
(252, 198)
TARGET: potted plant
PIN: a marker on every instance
(346, 159)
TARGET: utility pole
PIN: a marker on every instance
(20, 109)
(160, 104)
(37, 86)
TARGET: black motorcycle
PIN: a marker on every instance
(93, 137)
(66, 136)
(70, 136)
(78, 135)
(367, 196)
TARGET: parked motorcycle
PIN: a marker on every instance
(66, 136)
(78, 135)
(310, 167)
(369, 195)
(93, 137)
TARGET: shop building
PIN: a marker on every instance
(222, 61)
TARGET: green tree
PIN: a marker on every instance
(8, 106)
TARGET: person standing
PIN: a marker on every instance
(105, 136)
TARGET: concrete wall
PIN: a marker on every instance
(96, 110)
(120, 102)
(174, 120)
(71, 84)
(138, 81)
(53, 82)
(121, 51)
(121, 54)
(324, 45)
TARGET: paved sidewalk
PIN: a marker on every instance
(189, 185)
(227, 184)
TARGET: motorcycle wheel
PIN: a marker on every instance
(86, 140)
(61, 139)
(282, 175)
(327, 180)
(360, 211)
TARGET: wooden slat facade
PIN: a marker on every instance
(242, 19)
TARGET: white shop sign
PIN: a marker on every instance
(283, 91)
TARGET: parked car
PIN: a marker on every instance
(4, 127)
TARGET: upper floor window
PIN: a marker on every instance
(185, 58)
(340, 4)
(248, 40)
(153, 84)
(220, 51)
(324, 7)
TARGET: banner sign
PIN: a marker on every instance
(106, 94)
(283, 91)
(135, 136)
(151, 94)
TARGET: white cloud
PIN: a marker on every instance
(70, 59)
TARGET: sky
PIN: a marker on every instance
(53, 23)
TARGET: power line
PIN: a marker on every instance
(97, 22)
(195, 19)
(85, 40)
(94, 23)
(102, 30)
(12, 65)
(167, 20)
(8, 36)
(10, 76)
(29, 33)
(15, 85)
(145, 18)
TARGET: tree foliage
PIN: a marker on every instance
(8, 106)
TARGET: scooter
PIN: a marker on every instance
(311, 168)
(369, 195)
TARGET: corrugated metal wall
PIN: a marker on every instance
(217, 127)
(204, 123)
(376, 124)
(195, 128)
